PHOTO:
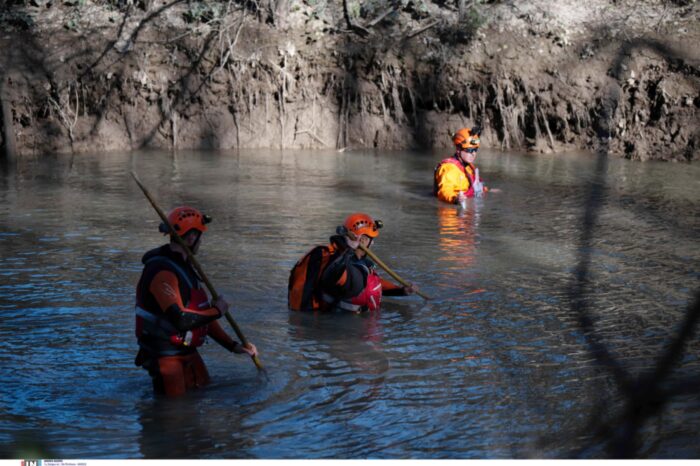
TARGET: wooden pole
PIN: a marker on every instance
(342, 230)
(386, 268)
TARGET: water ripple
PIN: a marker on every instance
(494, 366)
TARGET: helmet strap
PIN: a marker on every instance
(198, 238)
(458, 156)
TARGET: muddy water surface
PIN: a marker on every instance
(495, 366)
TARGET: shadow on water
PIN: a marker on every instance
(191, 427)
(619, 428)
(28, 444)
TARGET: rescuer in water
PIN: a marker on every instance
(173, 313)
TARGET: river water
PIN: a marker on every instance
(496, 365)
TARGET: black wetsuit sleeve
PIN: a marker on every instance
(165, 289)
(355, 278)
(184, 319)
(333, 271)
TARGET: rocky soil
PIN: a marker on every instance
(102, 75)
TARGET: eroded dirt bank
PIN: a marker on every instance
(88, 75)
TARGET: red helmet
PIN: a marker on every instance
(363, 224)
(467, 138)
(183, 219)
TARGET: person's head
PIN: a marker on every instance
(467, 143)
(187, 222)
(363, 227)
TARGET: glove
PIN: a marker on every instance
(478, 185)
(250, 350)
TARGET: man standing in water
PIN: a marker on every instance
(173, 313)
(457, 178)
(350, 281)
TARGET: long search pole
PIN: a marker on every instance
(386, 268)
(196, 265)
(342, 230)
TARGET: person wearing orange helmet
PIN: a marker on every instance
(456, 178)
(350, 281)
(173, 313)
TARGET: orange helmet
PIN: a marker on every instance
(183, 219)
(467, 138)
(363, 224)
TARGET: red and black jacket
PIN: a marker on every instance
(173, 313)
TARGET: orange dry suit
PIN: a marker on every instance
(352, 284)
(173, 318)
(452, 176)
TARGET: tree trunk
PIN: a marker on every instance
(8, 132)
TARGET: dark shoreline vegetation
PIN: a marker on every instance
(103, 75)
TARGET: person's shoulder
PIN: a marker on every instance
(447, 159)
(448, 169)
(362, 262)
(150, 254)
(164, 253)
(337, 244)
(449, 163)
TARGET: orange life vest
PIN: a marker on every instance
(304, 291)
(154, 331)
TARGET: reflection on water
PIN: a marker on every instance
(458, 232)
(494, 366)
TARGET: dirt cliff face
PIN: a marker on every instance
(86, 75)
